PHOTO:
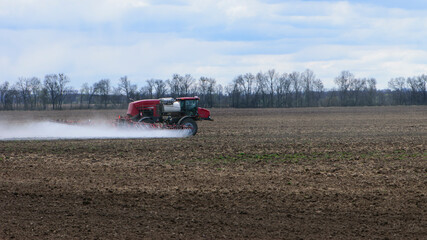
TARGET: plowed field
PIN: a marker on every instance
(313, 173)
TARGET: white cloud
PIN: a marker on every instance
(90, 40)
(59, 13)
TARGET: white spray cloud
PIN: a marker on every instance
(52, 131)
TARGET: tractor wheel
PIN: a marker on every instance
(146, 120)
(190, 124)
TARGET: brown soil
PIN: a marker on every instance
(314, 173)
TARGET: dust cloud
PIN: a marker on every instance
(46, 130)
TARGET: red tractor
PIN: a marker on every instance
(182, 112)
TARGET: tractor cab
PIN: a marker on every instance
(189, 105)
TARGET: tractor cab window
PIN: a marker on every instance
(191, 104)
(190, 107)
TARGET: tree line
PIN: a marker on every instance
(263, 89)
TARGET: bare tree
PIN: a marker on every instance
(261, 89)
(219, 92)
(35, 91)
(203, 89)
(174, 85)
(186, 82)
(103, 88)
(52, 88)
(272, 79)
(295, 79)
(4, 91)
(236, 91)
(398, 86)
(372, 91)
(228, 90)
(150, 88)
(357, 86)
(344, 82)
(283, 90)
(211, 91)
(24, 88)
(127, 88)
(421, 82)
(88, 92)
(11, 98)
(206, 90)
(83, 93)
(44, 97)
(160, 88)
(62, 88)
(248, 81)
(318, 89)
(307, 79)
(116, 97)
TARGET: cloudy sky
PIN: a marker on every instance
(89, 40)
